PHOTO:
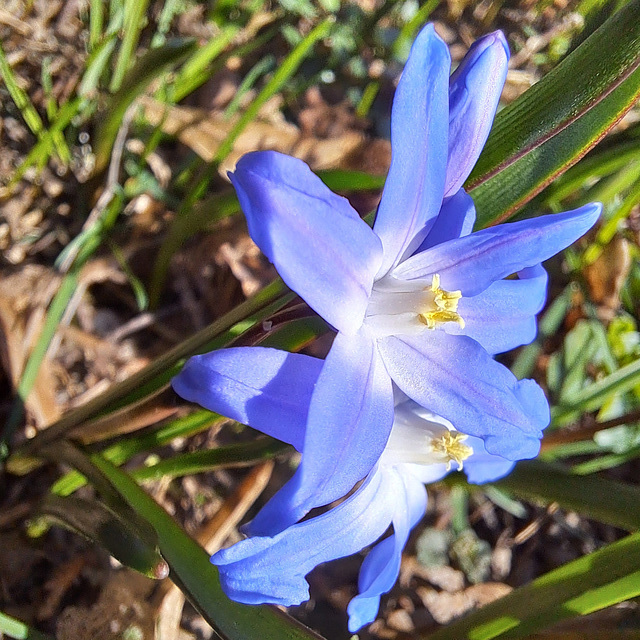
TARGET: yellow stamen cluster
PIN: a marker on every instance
(446, 306)
(450, 445)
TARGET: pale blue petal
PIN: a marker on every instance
(482, 466)
(474, 93)
(350, 418)
(380, 568)
(315, 239)
(455, 220)
(503, 316)
(454, 377)
(273, 569)
(472, 263)
(419, 122)
(267, 389)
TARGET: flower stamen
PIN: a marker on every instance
(446, 306)
(450, 445)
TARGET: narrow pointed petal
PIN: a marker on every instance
(455, 220)
(267, 389)
(381, 567)
(272, 569)
(454, 377)
(350, 419)
(419, 122)
(482, 466)
(472, 263)
(315, 239)
(503, 316)
(474, 93)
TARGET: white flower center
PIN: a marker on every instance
(417, 438)
(398, 307)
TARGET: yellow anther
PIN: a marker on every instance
(450, 446)
(446, 306)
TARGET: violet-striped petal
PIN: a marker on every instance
(503, 316)
(380, 568)
(267, 389)
(316, 240)
(350, 418)
(474, 93)
(419, 122)
(455, 220)
(472, 263)
(272, 569)
(454, 377)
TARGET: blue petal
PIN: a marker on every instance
(454, 377)
(419, 122)
(472, 263)
(315, 239)
(380, 568)
(267, 389)
(503, 316)
(455, 220)
(350, 419)
(482, 466)
(272, 569)
(474, 93)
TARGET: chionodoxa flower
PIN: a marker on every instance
(418, 301)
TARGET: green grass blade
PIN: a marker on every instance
(282, 74)
(20, 98)
(119, 452)
(134, 13)
(146, 69)
(596, 394)
(95, 66)
(598, 498)
(96, 23)
(41, 151)
(13, 628)
(195, 70)
(583, 586)
(198, 578)
(262, 67)
(232, 455)
(346, 181)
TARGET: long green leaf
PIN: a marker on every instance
(581, 80)
(558, 120)
(198, 578)
(583, 586)
(95, 521)
(134, 11)
(19, 97)
(598, 498)
(199, 461)
(123, 450)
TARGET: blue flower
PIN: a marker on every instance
(418, 300)
(271, 391)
